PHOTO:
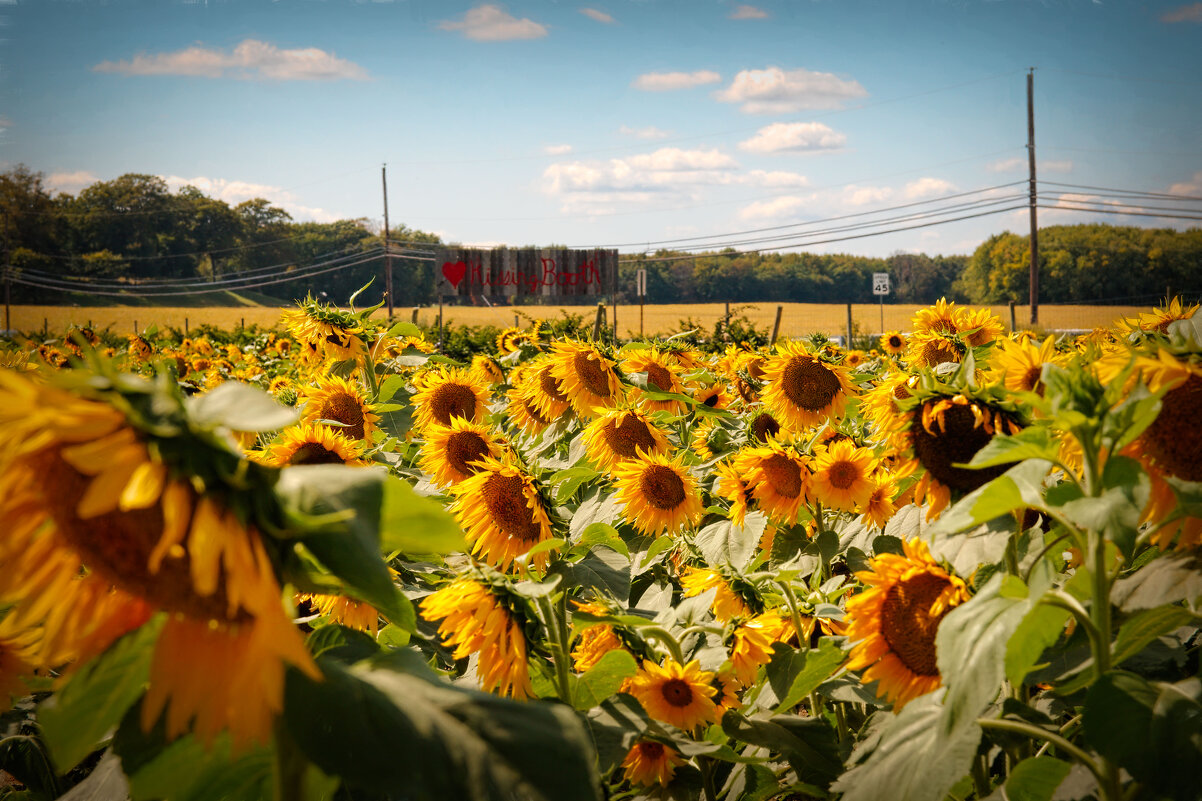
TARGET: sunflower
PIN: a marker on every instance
(139, 349)
(131, 541)
(325, 332)
(524, 414)
(842, 476)
(978, 326)
(649, 762)
(486, 370)
(1020, 364)
(726, 691)
(681, 696)
(713, 396)
(452, 453)
(313, 443)
(543, 392)
(933, 348)
(802, 390)
(779, 478)
(944, 431)
(734, 487)
(880, 505)
(595, 641)
(880, 406)
(658, 494)
(586, 376)
(762, 426)
(344, 611)
(341, 401)
(751, 644)
(747, 375)
(937, 319)
(446, 393)
(476, 621)
(617, 436)
(893, 342)
(727, 604)
(1158, 319)
(502, 512)
(894, 622)
(662, 376)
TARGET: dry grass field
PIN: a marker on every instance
(796, 319)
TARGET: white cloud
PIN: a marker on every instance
(671, 81)
(748, 12)
(794, 137)
(1020, 163)
(1190, 13)
(675, 159)
(490, 23)
(249, 59)
(557, 150)
(927, 187)
(1191, 187)
(776, 178)
(599, 16)
(1007, 165)
(235, 192)
(863, 195)
(70, 182)
(773, 90)
(650, 132)
(777, 207)
(1055, 166)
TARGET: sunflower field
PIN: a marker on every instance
(329, 562)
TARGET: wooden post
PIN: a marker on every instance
(8, 291)
(185, 326)
(135, 326)
(726, 323)
(516, 322)
(243, 323)
(597, 322)
(848, 345)
(1032, 197)
(387, 249)
(45, 328)
(1013, 322)
(414, 319)
(776, 325)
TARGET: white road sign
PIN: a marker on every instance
(880, 283)
(641, 283)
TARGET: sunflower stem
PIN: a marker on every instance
(559, 652)
(803, 642)
(667, 640)
(707, 777)
(980, 776)
(1019, 727)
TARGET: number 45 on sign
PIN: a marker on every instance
(880, 287)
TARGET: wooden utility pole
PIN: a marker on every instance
(1032, 197)
(387, 249)
(8, 279)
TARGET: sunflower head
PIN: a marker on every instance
(842, 476)
(662, 376)
(1020, 363)
(681, 696)
(454, 453)
(617, 435)
(325, 331)
(447, 393)
(658, 493)
(650, 763)
(586, 375)
(1158, 320)
(893, 342)
(312, 443)
(341, 401)
(778, 476)
(486, 370)
(502, 511)
(803, 389)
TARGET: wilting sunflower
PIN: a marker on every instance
(727, 604)
(662, 376)
(751, 644)
(486, 370)
(803, 390)
(476, 620)
(343, 610)
(779, 478)
(944, 431)
(586, 376)
(325, 332)
(682, 696)
(341, 401)
(447, 393)
(1020, 363)
(658, 494)
(502, 512)
(842, 476)
(894, 622)
(312, 443)
(762, 426)
(452, 453)
(595, 641)
(893, 342)
(649, 762)
(542, 391)
(131, 540)
(617, 436)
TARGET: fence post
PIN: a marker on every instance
(414, 318)
(848, 345)
(1013, 320)
(597, 322)
(185, 326)
(776, 325)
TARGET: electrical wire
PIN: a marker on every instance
(1155, 195)
(1072, 198)
(1123, 213)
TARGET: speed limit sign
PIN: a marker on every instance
(880, 283)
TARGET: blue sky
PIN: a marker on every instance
(614, 122)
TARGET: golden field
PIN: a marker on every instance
(797, 319)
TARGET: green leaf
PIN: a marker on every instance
(794, 675)
(1167, 579)
(725, 543)
(566, 482)
(595, 509)
(404, 329)
(1177, 738)
(76, 718)
(341, 643)
(604, 534)
(909, 756)
(602, 569)
(1034, 442)
(603, 679)
(970, 649)
(240, 407)
(1117, 721)
(809, 744)
(1020, 487)
(390, 724)
(1142, 628)
(1036, 779)
(982, 545)
(24, 758)
(414, 524)
(1117, 510)
(390, 387)
(1039, 630)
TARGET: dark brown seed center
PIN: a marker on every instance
(677, 692)
(809, 384)
(662, 487)
(907, 624)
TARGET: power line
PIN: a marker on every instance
(1070, 198)
(68, 256)
(1126, 213)
(1158, 195)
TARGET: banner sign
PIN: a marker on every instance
(501, 272)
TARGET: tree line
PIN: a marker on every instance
(134, 230)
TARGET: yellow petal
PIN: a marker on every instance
(144, 487)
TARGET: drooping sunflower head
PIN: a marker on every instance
(893, 623)
(485, 369)
(893, 342)
(843, 476)
(663, 375)
(502, 512)
(313, 443)
(542, 391)
(454, 453)
(751, 644)
(586, 376)
(447, 393)
(325, 332)
(681, 696)
(658, 493)
(341, 401)
(734, 486)
(978, 326)
(618, 435)
(803, 390)
(1158, 320)
(882, 502)
(649, 763)
(343, 610)
(727, 603)
(139, 349)
(779, 478)
(880, 407)
(1173, 443)
(762, 426)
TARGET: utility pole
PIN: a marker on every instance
(387, 249)
(8, 279)
(1032, 197)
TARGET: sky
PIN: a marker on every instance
(635, 124)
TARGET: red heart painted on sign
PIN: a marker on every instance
(454, 272)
